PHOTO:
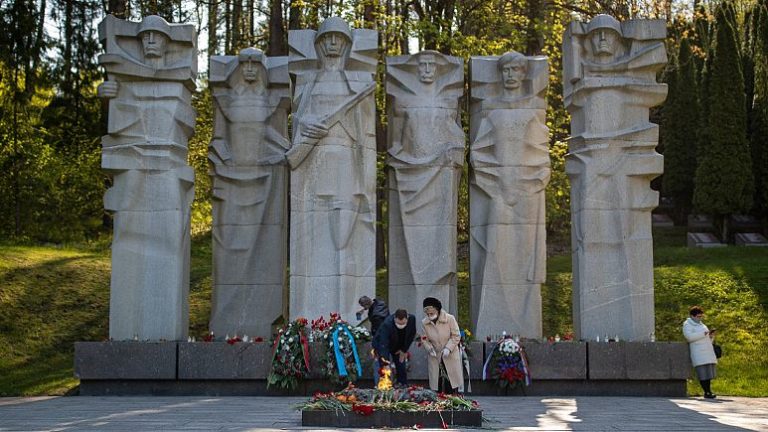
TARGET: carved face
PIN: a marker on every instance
(427, 68)
(251, 72)
(604, 42)
(513, 73)
(154, 43)
(333, 44)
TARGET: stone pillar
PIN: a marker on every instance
(609, 85)
(333, 169)
(250, 191)
(509, 156)
(151, 66)
(425, 155)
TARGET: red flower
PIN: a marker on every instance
(445, 425)
(258, 339)
(361, 409)
(418, 426)
(208, 337)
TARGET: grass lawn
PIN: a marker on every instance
(51, 297)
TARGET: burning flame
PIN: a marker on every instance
(385, 382)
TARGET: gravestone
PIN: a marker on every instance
(609, 86)
(509, 156)
(662, 221)
(703, 240)
(425, 154)
(333, 169)
(151, 68)
(250, 191)
(751, 239)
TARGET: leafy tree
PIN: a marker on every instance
(724, 181)
(759, 122)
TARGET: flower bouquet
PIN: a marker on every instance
(341, 359)
(507, 364)
(290, 357)
(414, 405)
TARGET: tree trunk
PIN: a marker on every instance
(213, 23)
(294, 16)
(118, 8)
(278, 43)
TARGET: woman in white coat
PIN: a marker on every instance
(702, 353)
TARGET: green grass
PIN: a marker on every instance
(51, 297)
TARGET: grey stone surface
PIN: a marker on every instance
(703, 240)
(333, 169)
(509, 156)
(125, 360)
(222, 361)
(638, 361)
(751, 239)
(609, 86)
(662, 221)
(555, 361)
(151, 67)
(250, 191)
(425, 154)
(276, 413)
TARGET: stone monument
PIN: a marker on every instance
(151, 67)
(509, 157)
(333, 169)
(609, 85)
(425, 156)
(250, 191)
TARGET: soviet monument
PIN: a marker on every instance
(609, 85)
(333, 169)
(509, 156)
(250, 191)
(151, 67)
(425, 154)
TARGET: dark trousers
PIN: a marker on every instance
(400, 369)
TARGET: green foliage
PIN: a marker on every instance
(758, 132)
(724, 181)
(679, 128)
(201, 215)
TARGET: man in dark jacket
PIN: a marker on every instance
(377, 312)
(392, 342)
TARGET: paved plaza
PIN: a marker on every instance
(273, 413)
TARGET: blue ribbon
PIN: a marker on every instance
(340, 363)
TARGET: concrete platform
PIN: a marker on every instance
(136, 414)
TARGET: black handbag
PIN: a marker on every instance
(718, 350)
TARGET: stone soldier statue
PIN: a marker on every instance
(250, 191)
(426, 154)
(509, 156)
(151, 67)
(609, 86)
(333, 169)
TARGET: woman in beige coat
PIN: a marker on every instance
(441, 340)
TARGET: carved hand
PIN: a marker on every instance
(108, 89)
(314, 129)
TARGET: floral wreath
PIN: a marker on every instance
(507, 364)
(290, 355)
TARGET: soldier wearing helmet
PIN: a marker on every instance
(605, 34)
(154, 33)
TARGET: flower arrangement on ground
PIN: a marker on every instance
(507, 364)
(405, 399)
(290, 357)
(341, 358)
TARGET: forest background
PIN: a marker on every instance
(714, 125)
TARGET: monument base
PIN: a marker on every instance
(219, 369)
(432, 419)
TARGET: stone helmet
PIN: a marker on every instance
(156, 24)
(603, 21)
(334, 25)
(250, 54)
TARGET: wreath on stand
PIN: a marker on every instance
(290, 355)
(341, 356)
(507, 364)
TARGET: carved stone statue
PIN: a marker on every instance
(250, 191)
(151, 68)
(509, 156)
(609, 86)
(333, 169)
(426, 154)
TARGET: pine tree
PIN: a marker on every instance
(724, 181)
(680, 131)
(759, 123)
